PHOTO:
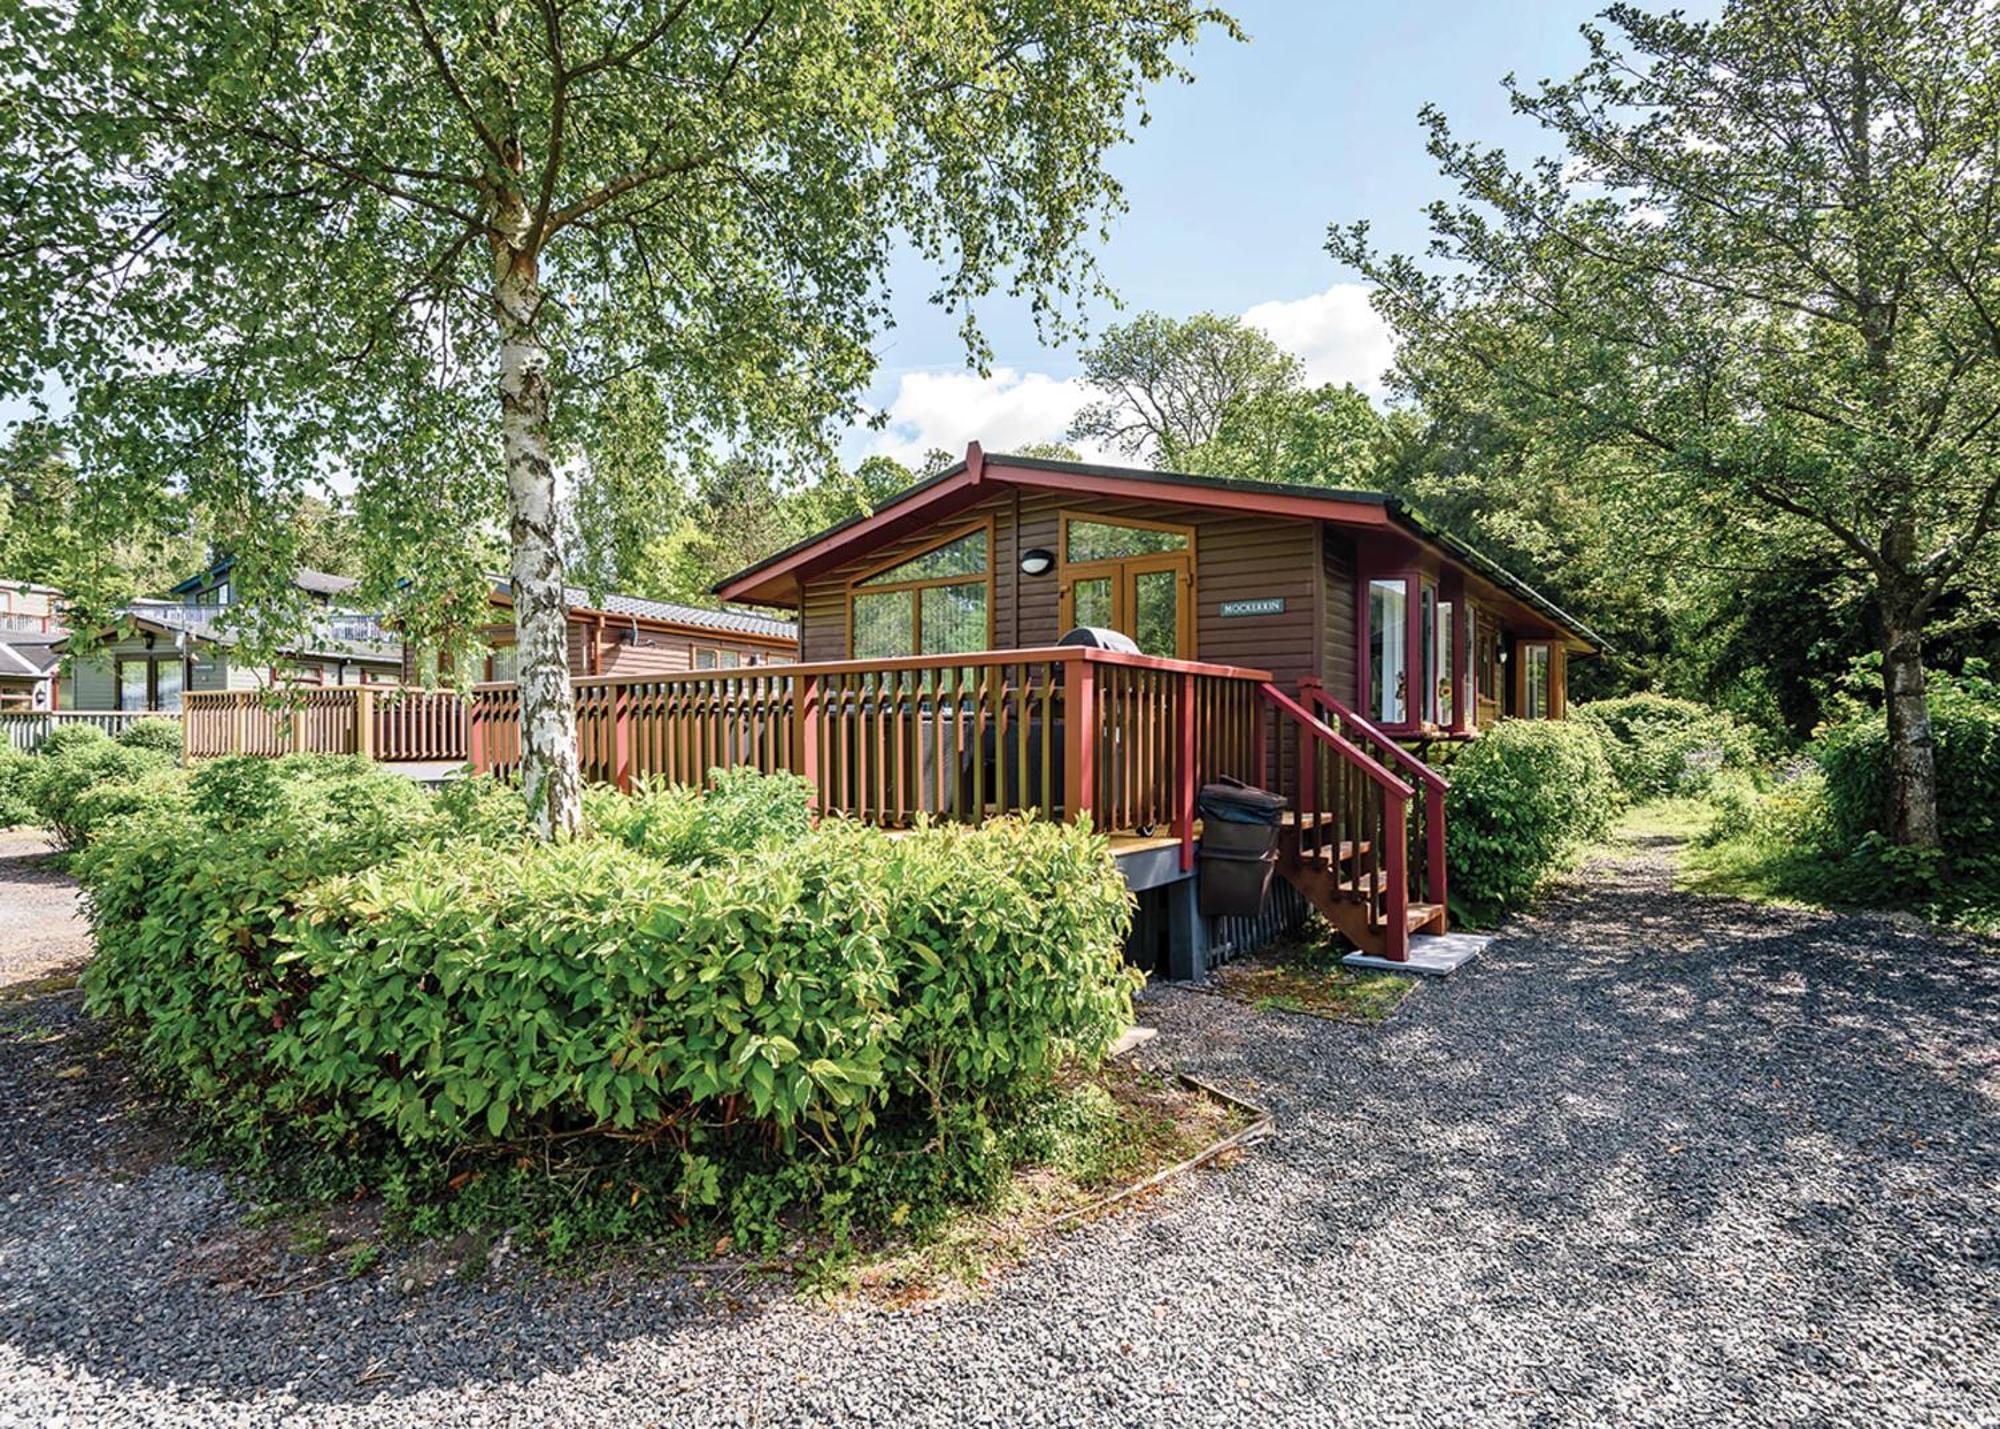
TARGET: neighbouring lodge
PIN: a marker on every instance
(630, 635)
(1412, 629)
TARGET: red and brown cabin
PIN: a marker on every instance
(1412, 628)
(630, 635)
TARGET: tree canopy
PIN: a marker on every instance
(450, 251)
(1762, 272)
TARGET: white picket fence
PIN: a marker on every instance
(26, 729)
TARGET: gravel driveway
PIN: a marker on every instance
(1654, 1159)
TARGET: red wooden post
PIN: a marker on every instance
(475, 734)
(1080, 739)
(621, 738)
(1184, 807)
(805, 734)
(1258, 774)
(1434, 850)
(1396, 869)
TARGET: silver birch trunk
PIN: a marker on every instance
(1912, 815)
(551, 773)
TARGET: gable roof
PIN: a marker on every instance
(315, 582)
(959, 485)
(668, 612)
(167, 619)
(35, 658)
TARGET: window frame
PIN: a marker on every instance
(1120, 570)
(856, 585)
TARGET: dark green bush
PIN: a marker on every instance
(69, 768)
(163, 735)
(1524, 797)
(1662, 747)
(824, 1017)
(16, 769)
(1965, 728)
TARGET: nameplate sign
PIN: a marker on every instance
(1262, 605)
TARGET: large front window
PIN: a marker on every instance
(134, 688)
(935, 603)
(1389, 651)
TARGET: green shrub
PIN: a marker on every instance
(163, 735)
(74, 767)
(776, 1017)
(67, 736)
(16, 769)
(1965, 729)
(740, 809)
(1524, 797)
(1663, 748)
(92, 811)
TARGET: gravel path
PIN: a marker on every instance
(40, 936)
(1654, 1159)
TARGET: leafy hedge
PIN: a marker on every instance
(714, 1009)
(1965, 728)
(1662, 747)
(15, 806)
(1524, 797)
(161, 735)
(74, 762)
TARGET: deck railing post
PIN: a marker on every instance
(364, 722)
(1434, 836)
(1184, 717)
(1079, 738)
(1259, 774)
(621, 736)
(475, 733)
(805, 735)
(1396, 872)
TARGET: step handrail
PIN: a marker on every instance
(1391, 874)
(1436, 874)
(1326, 734)
(1316, 693)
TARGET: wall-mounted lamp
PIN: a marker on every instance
(1503, 654)
(1037, 561)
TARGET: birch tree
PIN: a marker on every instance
(448, 251)
(1765, 269)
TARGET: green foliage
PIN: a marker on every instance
(1734, 294)
(160, 735)
(1524, 798)
(16, 807)
(310, 247)
(1662, 747)
(66, 737)
(70, 767)
(1816, 835)
(740, 809)
(1965, 730)
(1168, 383)
(701, 1011)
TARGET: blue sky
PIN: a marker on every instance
(1231, 189)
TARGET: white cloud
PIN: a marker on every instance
(1001, 411)
(1336, 334)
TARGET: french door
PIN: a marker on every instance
(1149, 598)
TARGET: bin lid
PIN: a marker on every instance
(1241, 803)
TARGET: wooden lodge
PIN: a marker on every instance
(1309, 641)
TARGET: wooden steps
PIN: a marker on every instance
(1353, 901)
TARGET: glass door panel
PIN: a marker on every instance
(1092, 603)
(1154, 602)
